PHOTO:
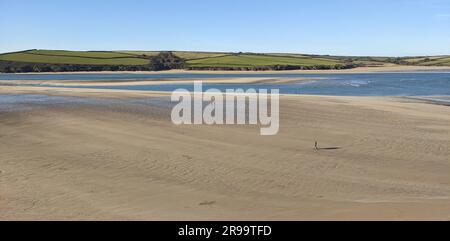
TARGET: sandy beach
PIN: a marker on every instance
(383, 158)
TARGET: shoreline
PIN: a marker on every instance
(387, 69)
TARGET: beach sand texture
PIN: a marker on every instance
(385, 159)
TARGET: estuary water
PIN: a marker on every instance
(367, 84)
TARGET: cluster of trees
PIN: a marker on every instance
(163, 61)
(279, 67)
(166, 61)
(399, 61)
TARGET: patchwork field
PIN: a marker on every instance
(255, 60)
(439, 62)
(430, 61)
(74, 57)
(57, 61)
(187, 55)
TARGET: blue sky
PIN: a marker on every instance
(340, 27)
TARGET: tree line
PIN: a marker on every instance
(276, 67)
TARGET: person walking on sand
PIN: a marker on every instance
(316, 146)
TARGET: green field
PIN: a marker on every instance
(188, 55)
(193, 59)
(197, 55)
(83, 54)
(74, 57)
(254, 60)
(414, 60)
(436, 61)
(204, 60)
(140, 53)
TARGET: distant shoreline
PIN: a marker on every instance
(396, 68)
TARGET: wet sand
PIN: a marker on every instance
(382, 159)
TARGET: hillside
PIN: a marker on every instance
(429, 61)
(63, 61)
(74, 57)
(67, 61)
(262, 61)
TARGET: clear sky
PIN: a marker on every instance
(340, 27)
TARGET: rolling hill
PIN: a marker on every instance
(74, 57)
(430, 61)
(259, 60)
(61, 60)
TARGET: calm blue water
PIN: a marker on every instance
(370, 84)
(15, 102)
(118, 76)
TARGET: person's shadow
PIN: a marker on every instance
(329, 148)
